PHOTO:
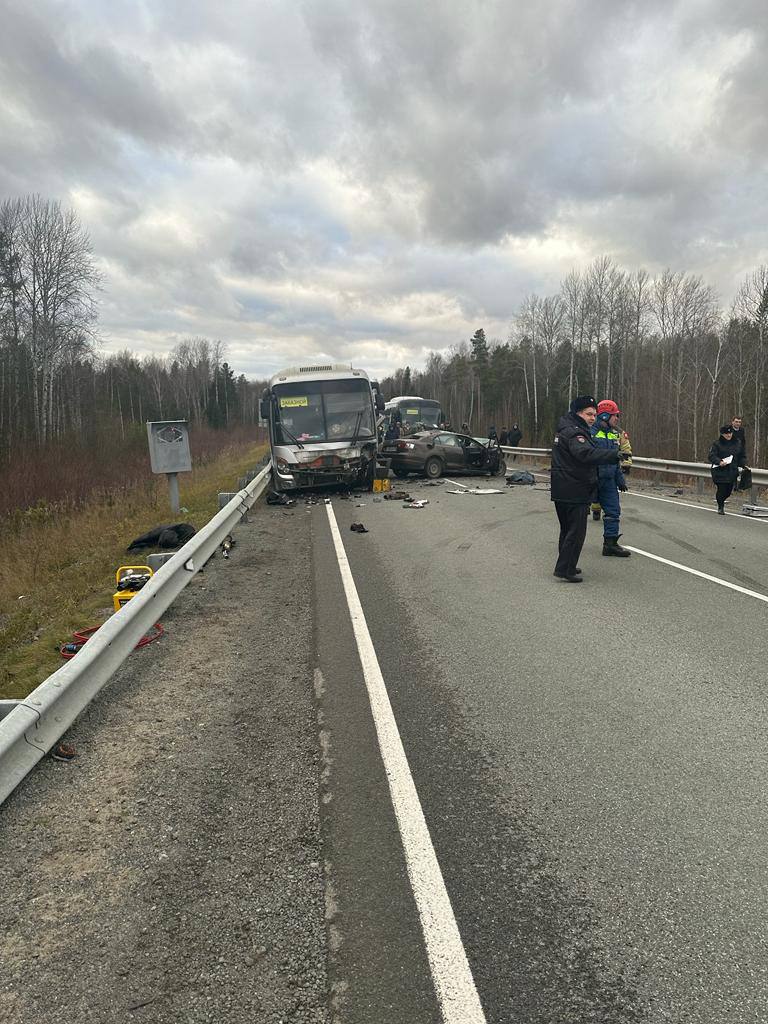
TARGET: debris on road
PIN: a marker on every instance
(279, 498)
(397, 496)
(358, 528)
(63, 752)
(416, 504)
(521, 476)
(478, 490)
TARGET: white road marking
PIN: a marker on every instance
(697, 572)
(454, 984)
(689, 504)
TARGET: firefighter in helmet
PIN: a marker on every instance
(606, 433)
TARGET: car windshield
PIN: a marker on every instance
(323, 410)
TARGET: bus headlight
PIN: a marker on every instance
(284, 467)
(349, 453)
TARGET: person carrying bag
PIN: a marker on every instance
(726, 457)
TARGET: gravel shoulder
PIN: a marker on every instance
(173, 871)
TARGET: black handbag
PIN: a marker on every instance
(745, 481)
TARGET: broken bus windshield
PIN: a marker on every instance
(323, 410)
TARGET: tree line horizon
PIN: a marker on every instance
(676, 363)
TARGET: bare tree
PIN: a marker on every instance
(58, 282)
(752, 304)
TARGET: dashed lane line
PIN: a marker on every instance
(451, 974)
(697, 572)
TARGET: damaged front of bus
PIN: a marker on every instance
(322, 427)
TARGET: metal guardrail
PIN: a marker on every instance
(30, 727)
(695, 469)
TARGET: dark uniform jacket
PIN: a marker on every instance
(738, 435)
(575, 458)
(721, 449)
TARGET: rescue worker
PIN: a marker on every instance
(575, 459)
(725, 458)
(625, 446)
(610, 479)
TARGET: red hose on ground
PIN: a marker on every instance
(82, 636)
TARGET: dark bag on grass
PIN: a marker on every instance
(168, 536)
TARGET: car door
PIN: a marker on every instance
(450, 451)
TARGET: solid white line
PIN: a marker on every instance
(703, 575)
(454, 984)
(689, 504)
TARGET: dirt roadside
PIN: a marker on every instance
(173, 871)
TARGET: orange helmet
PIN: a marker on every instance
(608, 406)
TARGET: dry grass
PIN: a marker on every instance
(57, 565)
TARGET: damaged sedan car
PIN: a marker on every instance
(434, 453)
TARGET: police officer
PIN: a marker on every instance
(610, 479)
(575, 458)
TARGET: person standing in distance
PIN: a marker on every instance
(725, 458)
(610, 479)
(575, 458)
(738, 435)
(515, 436)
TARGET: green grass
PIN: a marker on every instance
(57, 566)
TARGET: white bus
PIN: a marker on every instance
(322, 426)
(412, 410)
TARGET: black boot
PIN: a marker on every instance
(611, 546)
(721, 510)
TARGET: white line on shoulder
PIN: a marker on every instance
(689, 504)
(451, 973)
(697, 572)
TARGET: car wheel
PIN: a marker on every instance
(399, 472)
(433, 468)
(501, 469)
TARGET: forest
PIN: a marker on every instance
(63, 403)
(661, 347)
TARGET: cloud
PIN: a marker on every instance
(371, 181)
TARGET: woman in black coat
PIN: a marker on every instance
(725, 473)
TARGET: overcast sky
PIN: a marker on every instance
(370, 180)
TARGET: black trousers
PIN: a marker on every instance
(573, 530)
(724, 491)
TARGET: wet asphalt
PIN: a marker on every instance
(590, 759)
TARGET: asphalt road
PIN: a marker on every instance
(590, 760)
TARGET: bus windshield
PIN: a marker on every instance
(323, 410)
(418, 410)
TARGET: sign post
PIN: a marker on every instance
(169, 453)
